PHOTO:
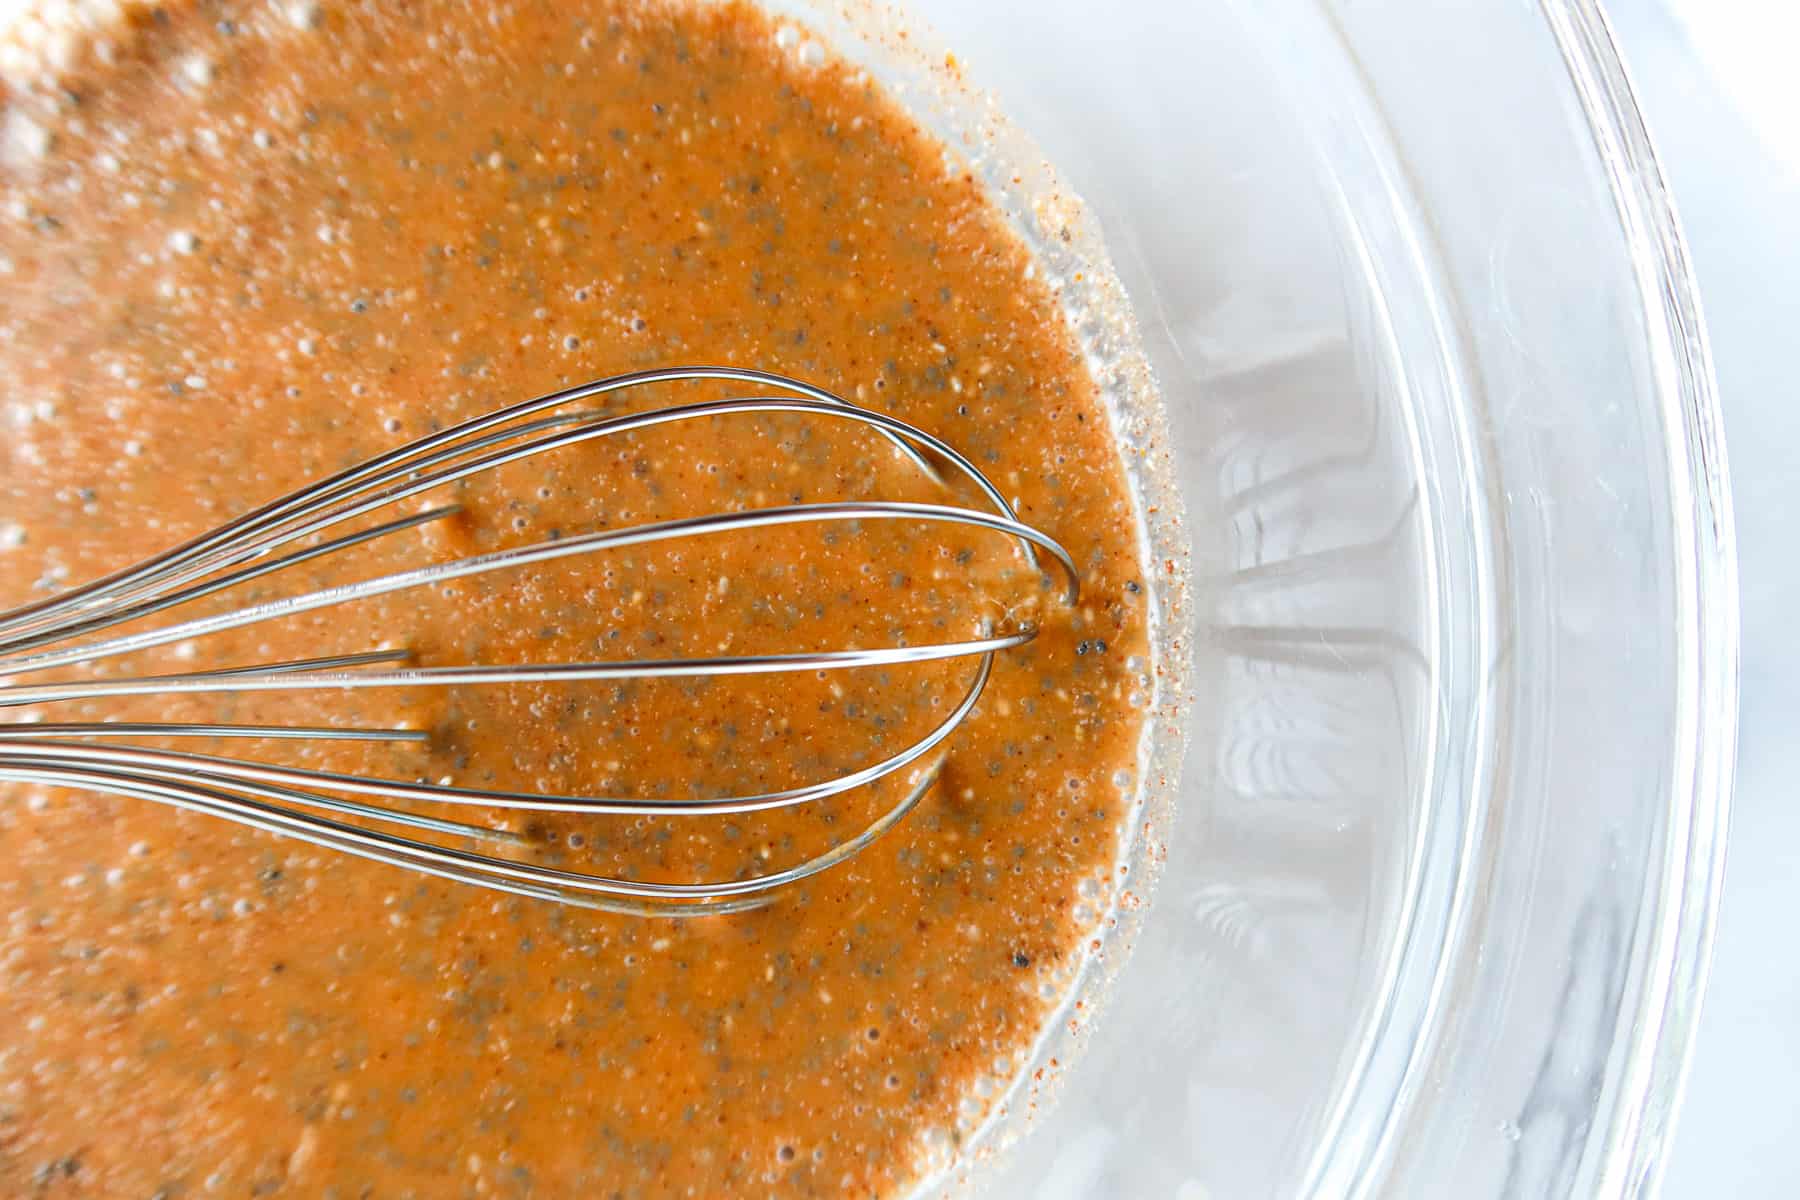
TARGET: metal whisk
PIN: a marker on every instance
(63, 630)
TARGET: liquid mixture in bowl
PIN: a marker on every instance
(244, 246)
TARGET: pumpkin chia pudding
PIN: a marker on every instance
(245, 245)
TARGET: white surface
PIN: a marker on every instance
(1723, 99)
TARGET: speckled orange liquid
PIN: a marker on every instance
(244, 245)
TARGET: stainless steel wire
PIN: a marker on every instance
(69, 629)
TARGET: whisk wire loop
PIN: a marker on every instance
(63, 631)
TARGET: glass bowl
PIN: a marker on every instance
(1454, 665)
(1421, 892)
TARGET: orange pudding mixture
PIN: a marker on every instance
(244, 245)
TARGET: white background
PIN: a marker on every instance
(1721, 85)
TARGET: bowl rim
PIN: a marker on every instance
(1645, 1056)
(1681, 910)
